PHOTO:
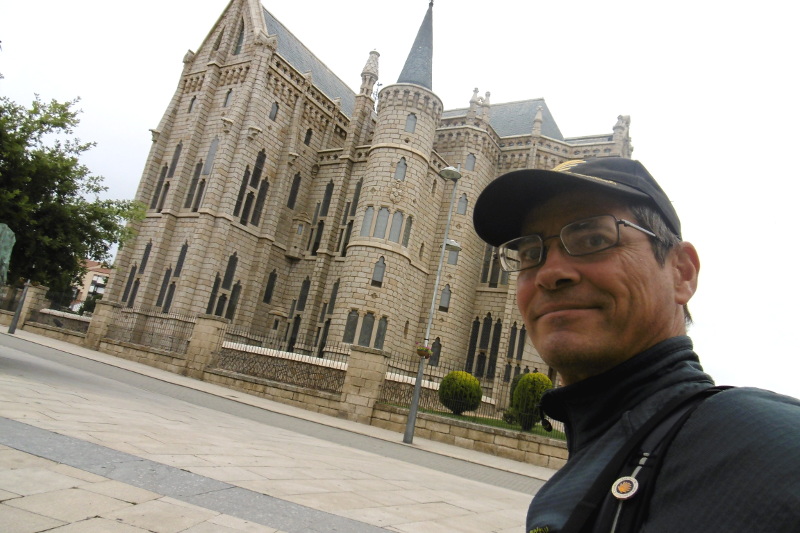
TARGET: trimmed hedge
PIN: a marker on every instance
(526, 398)
(460, 391)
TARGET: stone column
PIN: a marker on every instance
(206, 341)
(35, 300)
(366, 370)
(102, 317)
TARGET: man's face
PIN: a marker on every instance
(587, 314)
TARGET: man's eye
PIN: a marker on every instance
(530, 254)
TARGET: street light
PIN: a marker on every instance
(449, 174)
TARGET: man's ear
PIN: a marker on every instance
(686, 266)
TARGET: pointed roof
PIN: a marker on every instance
(419, 65)
(517, 118)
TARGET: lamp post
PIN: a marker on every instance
(449, 174)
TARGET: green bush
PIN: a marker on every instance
(460, 391)
(526, 397)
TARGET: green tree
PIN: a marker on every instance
(527, 396)
(50, 200)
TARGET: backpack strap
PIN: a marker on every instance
(671, 415)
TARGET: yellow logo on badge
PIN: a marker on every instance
(566, 165)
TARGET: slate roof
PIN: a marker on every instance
(418, 68)
(301, 58)
(516, 118)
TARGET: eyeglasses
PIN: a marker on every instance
(582, 237)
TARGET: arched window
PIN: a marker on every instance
(380, 334)
(400, 170)
(175, 157)
(356, 196)
(193, 185)
(367, 223)
(221, 305)
(159, 186)
(407, 234)
(201, 188)
(129, 283)
(228, 98)
(293, 193)
(334, 293)
(486, 332)
(433, 187)
(170, 296)
(397, 226)
(213, 297)
(262, 197)
(164, 192)
(239, 40)
(326, 200)
(378, 272)
(444, 301)
(436, 348)
(512, 340)
(307, 140)
(145, 256)
(273, 113)
(181, 259)
(230, 271)
(521, 345)
(301, 300)
(462, 205)
(248, 205)
(470, 162)
(273, 278)
(212, 153)
(134, 292)
(318, 237)
(350, 327)
(411, 123)
(191, 103)
(380, 223)
(258, 168)
(366, 329)
(237, 289)
(242, 191)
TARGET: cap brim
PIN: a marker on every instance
(503, 205)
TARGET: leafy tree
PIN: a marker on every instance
(50, 200)
(527, 396)
(460, 391)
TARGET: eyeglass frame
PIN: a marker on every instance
(543, 250)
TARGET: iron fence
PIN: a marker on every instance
(300, 344)
(494, 408)
(149, 326)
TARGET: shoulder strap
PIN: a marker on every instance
(590, 504)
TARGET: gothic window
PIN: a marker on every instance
(193, 185)
(521, 346)
(407, 234)
(307, 140)
(164, 285)
(200, 190)
(452, 257)
(462, 205)
(473, 344)
(366, 329)
(498, 330)
(258, 168)
(480, 366)
(397, 226)
(262, 197)
(400, 170)
(316, 214)
(346, 240)
(365, 226)
(301, 300)
(239, 40)
(129, 283)
(470, 163)
(273, 113)
(293, 193)
(356, 196)
(486, 332)
(444, 301)
(221, 305)
(507, 374)
(237, 289)
(411, 123)
(218, 42)
(170, 296)
(191, 103)
(160, 206)
(380, 223)
(273, 278)
(212, 153)
(248, 205)
(134, 292)
(378, 272)
(350, 327)
(491, 370)
(145, 256)
(380, 334)
(326, 200)
(436, 348)
(334, 293)
(228, 98)
(230, 271)
(213, 297)
(318, 237)
(159, 185)
(512, 340)
(433, 187)
(175, 157)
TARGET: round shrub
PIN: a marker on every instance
(526, 397)
(460, 391)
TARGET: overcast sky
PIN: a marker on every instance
(711, 87)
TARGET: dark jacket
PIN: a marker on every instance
(733, 466)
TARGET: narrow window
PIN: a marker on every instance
(212, 153)
(181, 259)
(433, 187)
(397, 226)
(248, 205)
(307, 140)
(273, 278)
(134, 292)
(164, 285)
(193, 186)
(170, 296)
(367, 223)
(294, 191)
(452, 257)
(191, 103)
(334, 293)
(436, 348)
(129, 283)
(380, 223)
(488, 252)
(221, 305)
(346, 240)
(213, 297)
(237, 289)
(366, 329)
(273, 113)
(380, 334)
(318, 237)
(200, 190)
(444, 301)
(228, 98)
(163, 199)
(521, 346)
(378, 272)
(498, 330)
(301, 300)
(239, 40)
(159, 185)
(400, 170)
(356, 196)
(175, 157)
(486, 332)
(258, 168)
(145, 256)
(350, 327)
(326, 200)
(470, 162)
(230, 271)
(462, 205)
(512, 340)
(262, 197)
(411, 123)
(407, 234)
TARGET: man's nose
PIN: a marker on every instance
(557, 268)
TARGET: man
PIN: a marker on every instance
(603, 284)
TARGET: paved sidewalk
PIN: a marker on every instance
(80, 452)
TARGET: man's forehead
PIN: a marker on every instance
(569, 206)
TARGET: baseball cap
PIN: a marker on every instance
(503, 205)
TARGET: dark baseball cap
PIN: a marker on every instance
(503, 205)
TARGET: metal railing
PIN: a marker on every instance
(150, 327)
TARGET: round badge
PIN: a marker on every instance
(625, 487)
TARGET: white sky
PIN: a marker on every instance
(711, 87)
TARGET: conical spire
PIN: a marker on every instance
(419, 65)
